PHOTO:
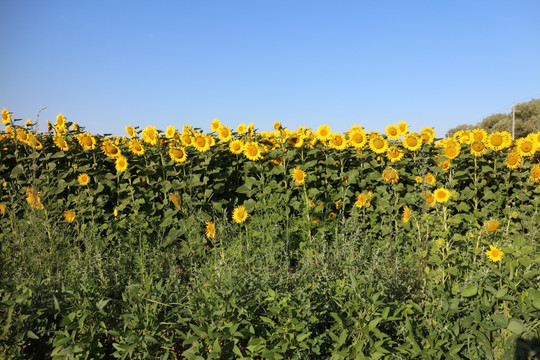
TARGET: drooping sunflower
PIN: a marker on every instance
(491, 225)
(441, 195)
(215, 125)
(378, 144)
(513, 160)
(136, 147)
(392, 131)
(406, 214)
(494, 254)
(394, 154)
(412, 141)
(338, 142)
(69, 215)
(535, 173)
(178, 154)
(210, 230)
(364, 199)
(478, 148)
(240, 214)
(224, 133)
(299, 176)
(357, 138)
(175, 199)
(121, 163)
(252, 151)
(110, 149)
(61, 142)
(525, 146)
(428, 135)
(236, 146)
(323, 133)
(390, 175)
(83, 179)
(130, 130)
(87, 141)
(170, 132)
(150, 135)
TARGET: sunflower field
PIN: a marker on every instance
(235, 243)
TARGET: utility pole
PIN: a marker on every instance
(513, 121)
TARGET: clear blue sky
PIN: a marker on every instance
(107, 64)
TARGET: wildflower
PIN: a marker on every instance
(418, 179)
(337, 141)
(394, 154)
(513, 160)
(441, 195)
(83, 179)
(69, 215)
(121, 164)
(200, 143)
(239, 214)
(298, 176)
(478, 148)
(110, 149)
(428, 135)
(494, 254)
(357, 138)
(491, 225)
(210, 230)
(525, 146)
(499, 140)
(332, 216)
(61, 142)
(224, 133)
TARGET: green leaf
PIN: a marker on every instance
(516, 326)
(469, 291)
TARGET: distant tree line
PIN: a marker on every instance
(527, 121)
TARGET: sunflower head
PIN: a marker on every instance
(240, 214)
(390, 175)
(441, 195)
(69, 215)
(210, 230)
(252, 151)
(392, 131)
(83, 179)
(494, 254)
(298, 176)
(121, 163)
(491, 225)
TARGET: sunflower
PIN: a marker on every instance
(338, 142)
(236, 146)
(61, 142)
(478, 148)
(494, 254)
(430, 179)
(525, 146)
(428, 135)
(418, 179)
(390, 175)
(110, 149)
(6, 116)
(406, 214)
(130, 130)
(296, 140)
(332, 215)
(170, 132)
(136, 147)
(323, 133)
(175, 199)
(364, 199)
(241, 129)
(499, 140)
(87, 141)
(378, 144)
(210, 231)
(513, 160)
(357, 138)
(178, 154)
(463, 137)
(412, 141)
(215, 125)
(83, 179)
(491, 225)
(441, 195)
(239, 214)
(445, 164)
(252, 151)
(394, 154)
(277, 125)
(429, 198)
(22, 135)
(392, 131)
(298, 176)
(2, 209)
(535, 173)
(224, 133)
(339, 204)
(121, 163)
(69, 215)
(150, 135)
(451, 150)
(199, 142)
(403, 127)
(34, 199)
(186, 139)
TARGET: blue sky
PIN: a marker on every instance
(107, 64)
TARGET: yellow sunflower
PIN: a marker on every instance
(429, 198)
(224, 133)
(150, 135)
(390, 175)
(525, 146)
(178, 154)
(364, 199)
(357, 138)
(464, 137)
(241, 129)
(136, 147)
(239, 214)
(491, 225)
(210, 230)
(406, 214)
(430, 179)
(121, 163)
(296, 140)
(378, 144)
(200, 143)
(394, 154)
(403, 127)
(277, 125)
(252, 151)
(478, 148)
(392, 131)
(83, 179)
(412, 141)
(428, 135)
(499, 140)
(494, 254)
(215, 125)
(338, 142)
(87, 141)
(34, 198)
(130, 130)
(236, 146)
(445, 164)
(441, 195)
(69, 215)
(513, 160)
(110, 149)
(61, 142)
(479, 134)
(6, 116)
(186, 139)
(535, 173)
(451, 150)
(298, 176)
(170, 132)
(2, 209)
(323, 133)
